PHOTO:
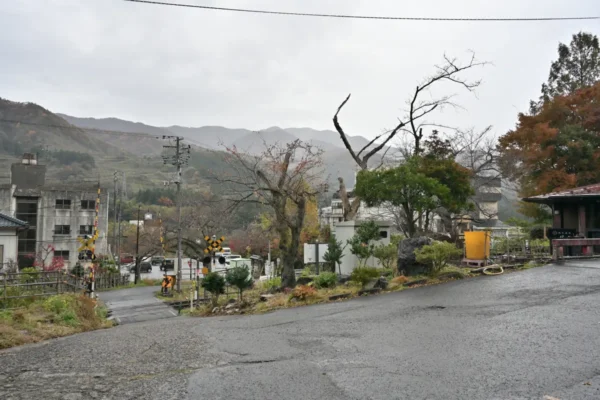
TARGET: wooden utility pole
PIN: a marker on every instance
(137, 248)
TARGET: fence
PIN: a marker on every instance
(519, 248)
(110, 280)
(21, 288)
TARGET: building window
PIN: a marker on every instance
(88, 204)
(62, 230)
(383, 234)
(64, 254)
(63, 204)
(86, 229)
(26, 242)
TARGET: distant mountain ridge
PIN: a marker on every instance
(336, 158)
(214, 137)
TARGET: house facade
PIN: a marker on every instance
(57, 215)
(9, 229)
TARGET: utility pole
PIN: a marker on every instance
(181, 157)
(115, 179)
(137, 248)
(119, 225)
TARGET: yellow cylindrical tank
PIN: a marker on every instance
(477, 245)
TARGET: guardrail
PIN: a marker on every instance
(587, 247)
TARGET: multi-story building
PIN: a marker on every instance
(57, 215)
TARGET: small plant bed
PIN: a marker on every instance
(264, 296)
(51, 317)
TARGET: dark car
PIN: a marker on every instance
(144, 267)
(167, 265)
(157, 260)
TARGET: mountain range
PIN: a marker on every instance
(134, 147)
(336, 159)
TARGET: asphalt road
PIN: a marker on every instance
(523, 335)
(136, 305)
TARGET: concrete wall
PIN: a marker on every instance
(8, 239)
(344, 231)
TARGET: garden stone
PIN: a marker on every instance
(215, 310)
(376, 283)
(407, 261)
(265, 297)
(304, 280)
(343, 279)
(230, 306)
(231, 301)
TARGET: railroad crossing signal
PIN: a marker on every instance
(213, 245)
(87, 246)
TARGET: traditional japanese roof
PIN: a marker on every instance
(589, 191)
(6, 221)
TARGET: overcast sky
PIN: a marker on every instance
(167, 65)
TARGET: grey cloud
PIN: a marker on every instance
(166, 66)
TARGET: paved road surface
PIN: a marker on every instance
(517, 336)
(136, 305)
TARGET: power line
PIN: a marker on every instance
(367, 17)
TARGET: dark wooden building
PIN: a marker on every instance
(575, 209)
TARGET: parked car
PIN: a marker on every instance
(167, 265)
(157, 260)
(126, 258)
(144, 267)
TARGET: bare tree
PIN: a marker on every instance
(420, 106)
(284, 178)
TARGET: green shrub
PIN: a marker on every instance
(437, 255)
(78, 270)
(387, 255)
(272, 283)
(240, 278)
(363, 275)
(59, 304)
(325, 280)
(309, 270)
(69, 317)
(387, 272)
(214, 284)
(29, 275)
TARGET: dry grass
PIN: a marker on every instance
(49, 318)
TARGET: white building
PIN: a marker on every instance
(57, 215)
(488, 192)
(9, 229)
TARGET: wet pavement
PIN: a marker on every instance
(524, 335)
(136, 305)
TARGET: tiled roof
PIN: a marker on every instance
(583, 191)
(6, 221)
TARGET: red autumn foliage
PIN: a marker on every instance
(559, 147)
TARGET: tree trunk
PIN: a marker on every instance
(350, 209)
(411, 226)
(288, 276)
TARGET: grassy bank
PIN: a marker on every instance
(141, 283)
(51, 317)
